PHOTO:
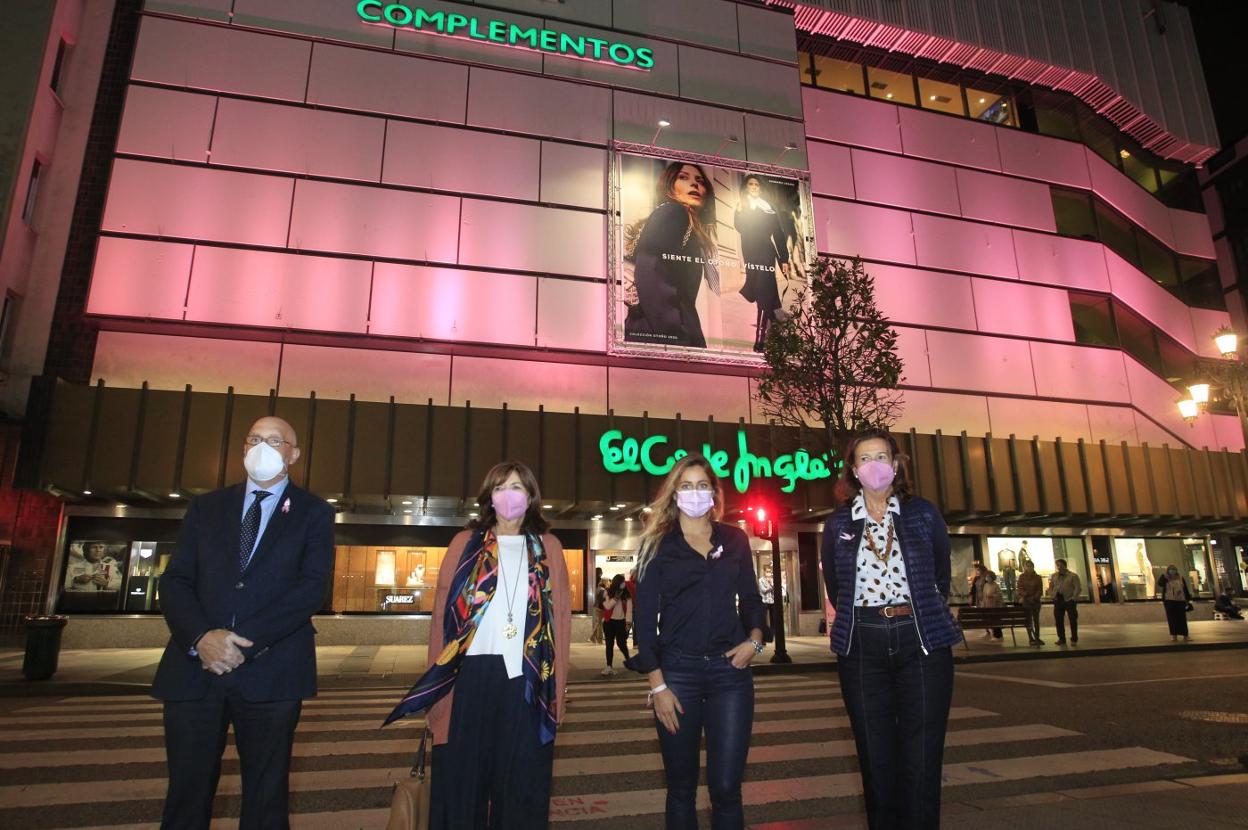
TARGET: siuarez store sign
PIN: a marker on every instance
(503, 33)
(625, 454)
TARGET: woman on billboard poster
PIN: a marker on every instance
(764, 244)
(674, 252)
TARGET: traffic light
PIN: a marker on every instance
(762, 524)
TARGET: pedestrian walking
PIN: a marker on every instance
(498, 662)
(1030, 590)
(600, 596)
(1177, 600)
(990, 597)
(617, 617)
(886, 566)
(700, 623)
(249, 571)
(1065, 590)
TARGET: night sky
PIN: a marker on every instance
(1222, 39)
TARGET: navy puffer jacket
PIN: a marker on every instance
(924, 542)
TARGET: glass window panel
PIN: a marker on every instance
(843, 76)
(940, 96)
(1157, 260)
(1117, 233)
(1071, 548)
(1178, 365)
(1100, 136)
(1202, 285)
(1138, 338)
(1137, 575)
(897, 87)
(1141, 171)
(1094, 319)
(962, 559)
(992, 107)
(1055, 115)
(1073, 211)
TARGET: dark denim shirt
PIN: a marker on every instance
(697, 605)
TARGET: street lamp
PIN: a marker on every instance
(1228, 377)
(1227, 342)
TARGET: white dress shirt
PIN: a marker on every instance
(514, 566)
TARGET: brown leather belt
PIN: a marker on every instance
(891, 611)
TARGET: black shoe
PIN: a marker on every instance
(1061, 642)
(1074, 641)
(1039, 642)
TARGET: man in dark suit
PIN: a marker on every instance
(251, 567)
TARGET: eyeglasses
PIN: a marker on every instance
(701, 485)
(273, 441)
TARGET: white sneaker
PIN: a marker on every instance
(608, 672)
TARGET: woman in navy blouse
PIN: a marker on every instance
(699, 622)
(886, 567)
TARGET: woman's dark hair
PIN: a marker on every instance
(849, 486)
(618, 588)
(703, 220)
(533, 522)
(742, 191)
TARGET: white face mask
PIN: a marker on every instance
(264, 463)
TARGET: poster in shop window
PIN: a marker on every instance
(94, 571)
(706, 255)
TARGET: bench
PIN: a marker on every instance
(1008, 617)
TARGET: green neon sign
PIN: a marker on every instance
(622, 454)
(502, 33)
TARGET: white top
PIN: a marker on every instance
(513, 575)
(879, 583)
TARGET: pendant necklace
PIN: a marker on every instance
(509, 631)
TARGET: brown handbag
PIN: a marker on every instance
(409, 807)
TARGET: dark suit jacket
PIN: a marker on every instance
(271, 603)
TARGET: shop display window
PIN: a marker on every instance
(1141, 561)
(148, 561)
(963, 554)
(1006, 554)
(402, 580)
(95, 573)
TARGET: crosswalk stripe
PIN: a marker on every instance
(795, 691)
(648, 802)
(379, 712)
(45, 734)
(641, 713)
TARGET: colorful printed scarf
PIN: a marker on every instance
(472, 588)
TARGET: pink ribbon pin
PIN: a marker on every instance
(286, 505)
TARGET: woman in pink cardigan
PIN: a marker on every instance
(498, 662)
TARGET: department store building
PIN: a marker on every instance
(416, 231)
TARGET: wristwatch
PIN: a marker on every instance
(758, 647)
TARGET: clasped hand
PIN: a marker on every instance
(219, 650)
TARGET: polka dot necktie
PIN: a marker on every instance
(251, 529)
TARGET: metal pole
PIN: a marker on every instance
(777, 594)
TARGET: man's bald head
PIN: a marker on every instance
(278, 434)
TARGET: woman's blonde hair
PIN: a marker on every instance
(664, 515)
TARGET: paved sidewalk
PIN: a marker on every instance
(122, 670)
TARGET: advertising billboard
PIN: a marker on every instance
(706, 254)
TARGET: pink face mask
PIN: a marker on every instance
(876, 475)
(510, 504)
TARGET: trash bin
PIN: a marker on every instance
(43, 646)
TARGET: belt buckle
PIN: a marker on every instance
(888, 612)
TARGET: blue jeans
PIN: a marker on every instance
(898, 701)
(719, 698)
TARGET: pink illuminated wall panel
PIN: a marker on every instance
(1142, 207)
(1157, 305)
(907, 183)
(369, 374)
(1157, 399)
(931, 298)
(666, 394)
(1113, 424)
(1154, 435)
(221, 59)
(297, 140)
(257, 288)
(137, 278)
(1005, 200)
(945, 411)
(454, 160)
(528, 384)
(964, 246)
(830, 171)
(849, 120)
(1056, 260)
(694, 127)
(1192, 235)
(166, 124)
(851, 229)
(766, 140)
(1204, 323)
(335, 21)
(1228, 432)
(166, 362)
(979, 363)
(1080, 372)
(912, 349)
(572, 314)
(471, 51)
(1045, 419)
(1044, 158)
(526, 238)
(374, 222)
(1021, 309)
(539, 106)
(345, 77)
(449, 304)
(197, 203)
(573, 175)
(936, 136)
